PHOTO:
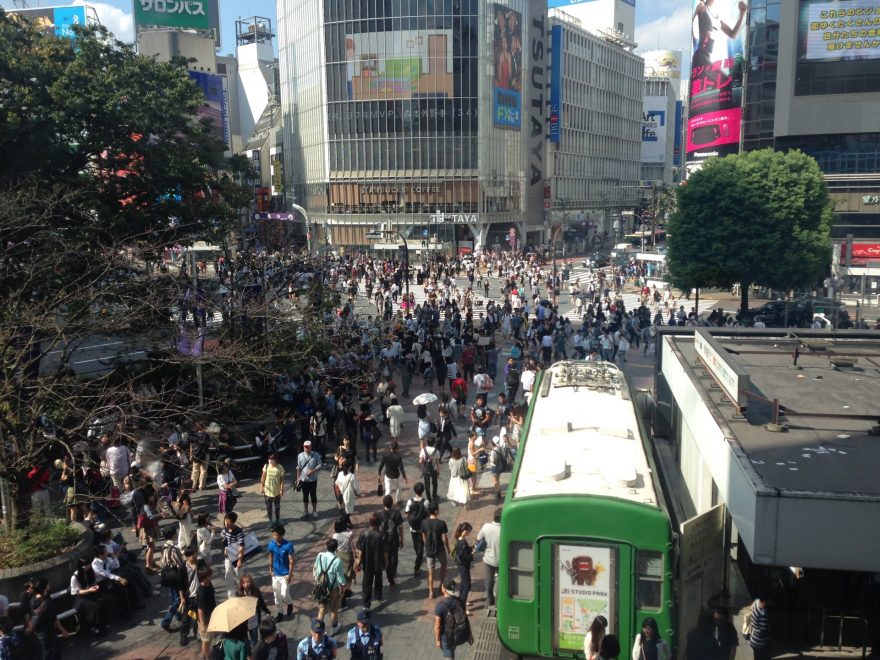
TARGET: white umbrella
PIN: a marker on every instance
(424, 399)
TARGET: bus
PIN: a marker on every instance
(584, 528)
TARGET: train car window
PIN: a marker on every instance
(649, 580)
(522, 570)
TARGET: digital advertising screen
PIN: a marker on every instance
(654, 129)
(839, 31)
(716, 80)
(507, 76)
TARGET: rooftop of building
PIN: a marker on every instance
(829, 403)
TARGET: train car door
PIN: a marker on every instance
(585, 580)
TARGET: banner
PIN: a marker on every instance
(555, 82)
(172, 13)
(654, 129)
(676, 145)
(507, 58)
(584, 578)
(716, 81)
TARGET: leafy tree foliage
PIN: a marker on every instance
(761, 217)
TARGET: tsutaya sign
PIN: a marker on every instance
(731, 376)
(457, 218)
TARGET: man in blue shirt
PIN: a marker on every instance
(281, 563)
(316, 645)
(365, 639)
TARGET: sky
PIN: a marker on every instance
(659, 23)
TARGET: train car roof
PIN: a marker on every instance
(584, 438)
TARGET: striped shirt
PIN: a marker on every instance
(232, 538)
(760, 636)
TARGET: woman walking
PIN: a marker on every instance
(459, 478)
(346, 486)
(463, 553)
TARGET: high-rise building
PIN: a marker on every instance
(426, 118)
(596, 88)
(814, 85)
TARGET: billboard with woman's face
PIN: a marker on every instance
(507, 57)
(716, 81)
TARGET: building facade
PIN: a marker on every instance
(814, 87)
(426, 118)
(595, 130)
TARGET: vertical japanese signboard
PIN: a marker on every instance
(584, 579)
(555, 82)
(716, 82)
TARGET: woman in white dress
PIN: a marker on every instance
(182, 510)
(348, 490)
(459, 477)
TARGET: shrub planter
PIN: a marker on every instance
(57, 570)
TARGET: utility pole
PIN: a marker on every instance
(195, 287)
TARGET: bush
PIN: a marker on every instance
(42, 539)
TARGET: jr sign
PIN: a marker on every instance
(172, 13)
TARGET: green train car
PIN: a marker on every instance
(584, 530)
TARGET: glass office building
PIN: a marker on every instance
(422, 116)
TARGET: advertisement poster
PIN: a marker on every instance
(399, 65)
(507, 57)
(562, 4)
(172, 13)
(654, 129)
(716, 82)
(839, 31)
(55, 20)
(663, 64)
(215, 106)
(584, 584)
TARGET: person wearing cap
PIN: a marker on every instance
(451, 600)
(226, 483)
(307, 465)
(365, 639)
(317, 646)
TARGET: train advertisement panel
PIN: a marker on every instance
(716, 81)
(584, 579)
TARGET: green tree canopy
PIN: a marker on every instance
(761, 217)
(93, 116)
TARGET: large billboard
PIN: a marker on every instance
(654, 129)
(59, 21)
(561, 4)
(215, 105)
(172, 13)
(663, 64)
(399, 65)
(555, 83)
(507, 73)
(836, 31)
(716, 80)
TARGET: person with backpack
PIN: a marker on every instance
(330, 583)
(392, 537)
(511, 379)
(365, 639)
(173, 577)
(370, 560)
(458, 388)
(429, 466)
(416, 511)
(435, 533)
(452, 628)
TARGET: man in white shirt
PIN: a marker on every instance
(527, 381)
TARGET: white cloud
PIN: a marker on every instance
(672, 31)
(119, 22)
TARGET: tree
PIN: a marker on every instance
(761, 217)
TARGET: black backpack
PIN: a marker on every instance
(389, 531)
(456, 626)
(416, 513)
(512, 379)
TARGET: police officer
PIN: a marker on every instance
(365, 639)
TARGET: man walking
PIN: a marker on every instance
(491, 534)
(416, 511)
(451, 625)
(327, 563)
(436, 537)
(392, 536)
(392, 464)
(371, 560)
(233, 551)
(307, 465)
(282, 561)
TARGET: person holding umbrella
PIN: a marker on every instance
(230, 619)
(317, 644)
